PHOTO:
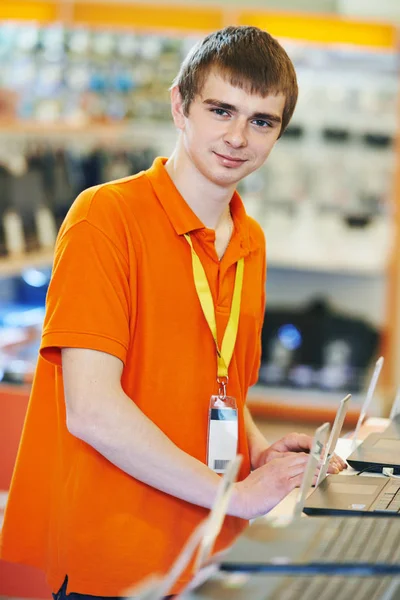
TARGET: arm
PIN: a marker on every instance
(102, 415)
(255, 439)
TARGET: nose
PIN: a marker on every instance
(235, 136)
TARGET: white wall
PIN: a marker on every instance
(387, 10)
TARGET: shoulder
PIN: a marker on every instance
(109, 209)
(107, 201)
(256, 234)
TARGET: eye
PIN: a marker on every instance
(220, 112)
(262, 124)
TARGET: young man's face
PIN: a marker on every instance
(228, 132)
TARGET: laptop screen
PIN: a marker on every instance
(317, 448)
(333, 438)
(368, 398)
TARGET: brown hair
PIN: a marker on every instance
(250, 59)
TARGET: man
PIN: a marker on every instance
(112, 473)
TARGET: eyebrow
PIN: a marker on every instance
(232, 108)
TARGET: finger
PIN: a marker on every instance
(333, 468)
(298, 442)
(297, 480)
(296, 469)
(335, 465)
(277, 454)
(290, 458)
(339, 462)
(296, 458)
(286, 454)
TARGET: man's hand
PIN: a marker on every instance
(265, 487)
(296, 442)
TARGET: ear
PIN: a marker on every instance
(177, 108)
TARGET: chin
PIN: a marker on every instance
(224, 177)
(224, 180)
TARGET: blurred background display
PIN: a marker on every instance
(82, 105)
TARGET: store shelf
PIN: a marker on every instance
(16, 264)
(133, 133)
(321, 265)
(21, 127)
(311, 406)
(51, 129)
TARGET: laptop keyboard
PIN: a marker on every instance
(389, 501)
(335, 588)
(358, 540)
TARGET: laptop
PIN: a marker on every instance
(380, 450)
(234, 586)
(353, 495)
(368, 397)
(361, 496)
(327, 545)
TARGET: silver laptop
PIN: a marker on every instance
(363, 496)
(341, 545)
(380, 450)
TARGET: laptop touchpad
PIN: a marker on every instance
(353, 488)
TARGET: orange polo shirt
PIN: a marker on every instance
(122, 283)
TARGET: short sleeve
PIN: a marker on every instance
(89, 301)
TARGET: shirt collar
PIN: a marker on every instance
(182, 218)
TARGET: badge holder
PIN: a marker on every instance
(222, 429)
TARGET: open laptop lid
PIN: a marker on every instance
(395, 412)
(368, 398)
(333, 438)
(317, 447)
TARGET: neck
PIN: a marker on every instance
(209, 201)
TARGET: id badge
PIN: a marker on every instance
(222, 432)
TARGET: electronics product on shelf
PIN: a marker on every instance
(316, 348)
(35, 200)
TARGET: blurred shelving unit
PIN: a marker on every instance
(12, 266)
(180, 19)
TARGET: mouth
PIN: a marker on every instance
(229, 162)
(238, 161)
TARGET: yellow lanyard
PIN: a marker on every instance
(224, 355)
